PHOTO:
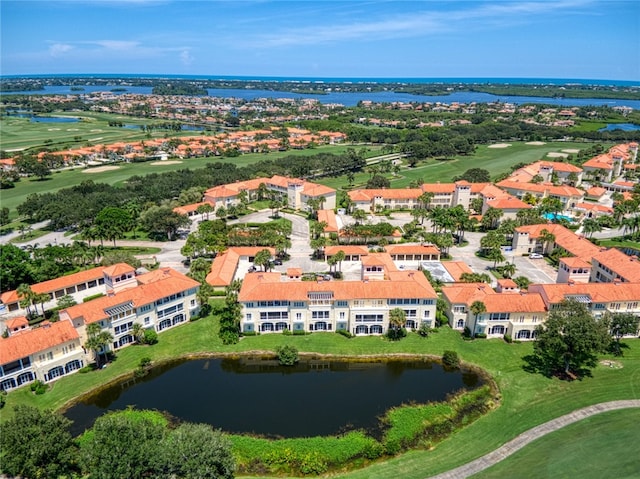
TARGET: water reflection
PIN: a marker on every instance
(257, 395)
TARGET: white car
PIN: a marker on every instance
(535, 256)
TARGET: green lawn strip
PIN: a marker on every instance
(604, 446)
(619, 243)
(527, 399)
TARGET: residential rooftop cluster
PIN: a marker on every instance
(388, 277)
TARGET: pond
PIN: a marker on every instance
(620, 126)
(256, 395)
(54, 119)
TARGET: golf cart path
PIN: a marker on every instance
(526, 437)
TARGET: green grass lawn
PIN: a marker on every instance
(527, 399)
(607, 449)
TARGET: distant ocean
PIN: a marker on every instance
(471, 80)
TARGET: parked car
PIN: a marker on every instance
(252, 269)
(535, 256)
(277, 262)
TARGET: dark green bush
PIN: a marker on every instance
(450, 359)
(39, 387)
(344, 333)
(287, 355)
(299, 332)
(481, 335)
(507, 338)
(150, 337)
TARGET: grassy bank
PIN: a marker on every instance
(527, 399)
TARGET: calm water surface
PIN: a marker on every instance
(259, 396)
(349, 99)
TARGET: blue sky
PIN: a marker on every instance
(585, 39)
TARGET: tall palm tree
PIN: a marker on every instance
(397, 320)
(97, 341)
(26, 296)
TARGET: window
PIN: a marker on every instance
(320, 315)
(123, 328)
(368, 317)
(298, 304)
(147, 320)
(499, 316)
(50, 355)
(249, 317)
(342, 316)
(341, 304)
(459, 309)
(298, 316)
(271, 315)
(192, 302)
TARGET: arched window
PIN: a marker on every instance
(362, 329)
(376, 329)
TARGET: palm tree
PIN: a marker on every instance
(477, 308)
(547, 238)
(262, 258)
(97, 341)
(397, 320)
(26, 296)
(340, 256)
(138, 332)
(508, 270)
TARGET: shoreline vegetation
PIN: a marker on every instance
(198, 86)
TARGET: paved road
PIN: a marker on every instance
(526, 437)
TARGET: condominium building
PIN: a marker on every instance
(45, 353)
(513, 313)
(272, 303)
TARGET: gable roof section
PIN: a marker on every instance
(56, 284)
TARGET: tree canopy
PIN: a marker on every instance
(568, 342)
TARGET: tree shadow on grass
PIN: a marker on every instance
(537, 365)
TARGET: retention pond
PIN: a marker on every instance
(258, 396)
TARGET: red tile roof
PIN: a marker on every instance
(36, 340)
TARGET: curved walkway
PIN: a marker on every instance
(526, 437)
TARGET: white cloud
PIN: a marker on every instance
(115, 44)
(58, 49)
(420, 23)
(186, 58)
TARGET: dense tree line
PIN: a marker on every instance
(131, 444)
(78, 206)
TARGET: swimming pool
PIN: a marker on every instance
(555, 216)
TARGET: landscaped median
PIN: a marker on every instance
(526, 399)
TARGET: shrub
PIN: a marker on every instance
(145, 362)
(507, 338)
(424, 330)
(229, 336)
(481, 335)
(467, 332)
(450, 359)
(250, 333)
(39, 387)
(93, 296)
(150, 337)
(3, 398)
(344, 333)
(286, 332)
(287, 355)
(299, 332)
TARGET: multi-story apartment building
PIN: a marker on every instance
(444, 195)
(599, 297)
(296, 192)
(587, 262)
(160, 300)
(45, 353)
(78, 286)
(513, 313)
(272, 303)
